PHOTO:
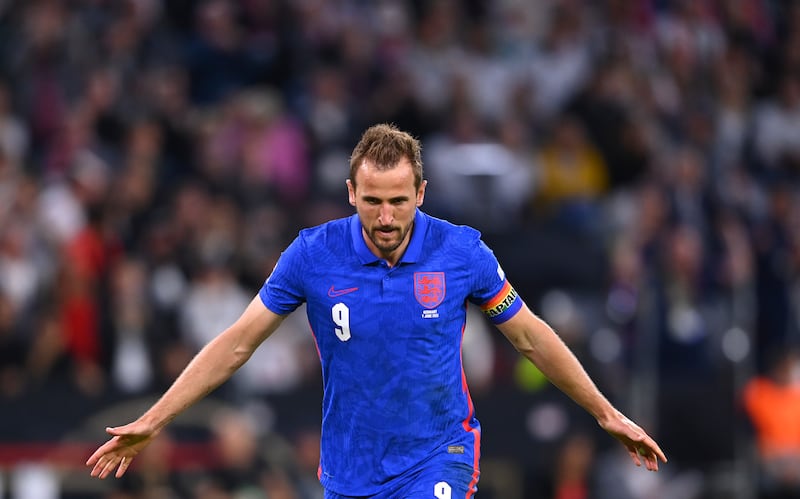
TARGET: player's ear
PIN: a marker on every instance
(421, 193)
(351, 192)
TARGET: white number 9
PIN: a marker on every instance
(341, 317)
(442, 490)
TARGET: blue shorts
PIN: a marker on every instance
(436, 480)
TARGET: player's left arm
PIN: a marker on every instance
(537, 341)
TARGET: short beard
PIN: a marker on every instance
(389, 249)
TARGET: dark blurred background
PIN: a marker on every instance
(635, 165)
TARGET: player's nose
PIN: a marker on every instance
(386, 216)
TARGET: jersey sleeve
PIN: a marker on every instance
(491, 290)
(283, 290)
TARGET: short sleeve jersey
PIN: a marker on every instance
(389, 341)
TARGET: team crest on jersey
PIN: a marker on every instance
(429, 288)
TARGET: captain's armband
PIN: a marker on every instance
(503, 305)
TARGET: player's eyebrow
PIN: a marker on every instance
(396, 199)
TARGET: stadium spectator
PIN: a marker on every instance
(772, 404)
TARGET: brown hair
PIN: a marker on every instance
(386, 145)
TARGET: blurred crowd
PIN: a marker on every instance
(635, 165)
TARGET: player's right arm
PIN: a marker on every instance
(212, 366)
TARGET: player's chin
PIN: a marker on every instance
(386, 241)
(387, 249)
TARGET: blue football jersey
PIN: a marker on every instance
(389, 342)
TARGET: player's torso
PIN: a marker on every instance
(386, 323)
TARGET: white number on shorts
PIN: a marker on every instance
(442, 490)
(341, 317)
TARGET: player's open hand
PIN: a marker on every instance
(641, 447)
(119, 451)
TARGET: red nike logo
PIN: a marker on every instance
(333, 293)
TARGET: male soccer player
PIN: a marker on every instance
(386, 292)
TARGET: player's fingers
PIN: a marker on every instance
(99, 465)
(109, 467)
(95, 458)
(95, 470)
(659, 452)
(653, 448)
(650, 462)
(101, 451)
(635, 457)
(123, 466)
(118, 430)
(649, 457)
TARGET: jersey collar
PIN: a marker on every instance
(413, 250)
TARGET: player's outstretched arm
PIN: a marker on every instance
(211, 367)
(537, 341)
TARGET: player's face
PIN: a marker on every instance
(386, 202)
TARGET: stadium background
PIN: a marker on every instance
(634, 165)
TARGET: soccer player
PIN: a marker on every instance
(386, 292)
